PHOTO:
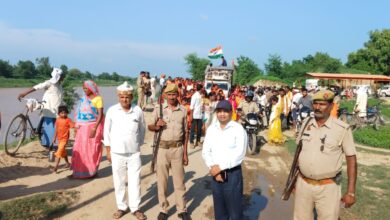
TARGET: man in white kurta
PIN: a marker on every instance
(124, 132)
(361, 102)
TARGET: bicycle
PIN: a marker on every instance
(373, 117)
(17, 128)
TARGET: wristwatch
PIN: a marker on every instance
(351, 194)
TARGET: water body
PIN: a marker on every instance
(10, 106)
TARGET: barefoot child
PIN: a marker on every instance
(62, 127)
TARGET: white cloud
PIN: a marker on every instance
(32, 43)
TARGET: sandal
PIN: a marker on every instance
(119, 213)
(139, 215)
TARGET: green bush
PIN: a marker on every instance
(371, 137)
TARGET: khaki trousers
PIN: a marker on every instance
(141, 97)
(324, 198)
(170, 158)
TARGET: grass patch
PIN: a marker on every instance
(39, 206)
(290, 145)
(371, 137)
(372, 193)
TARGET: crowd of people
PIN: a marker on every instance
(184, 112)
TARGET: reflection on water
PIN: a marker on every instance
(10, 106)
(265, 202)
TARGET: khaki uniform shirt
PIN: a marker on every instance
(336, 138)
(248, 107)
(176, 120)
(140, 83)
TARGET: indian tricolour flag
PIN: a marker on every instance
(216, 53)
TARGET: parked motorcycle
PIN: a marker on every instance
(373, 117)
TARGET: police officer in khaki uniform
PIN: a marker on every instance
(141, 90)
(172, 152)
(247, 106)
(324, 141)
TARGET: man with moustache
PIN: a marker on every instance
(124, 133)
(324, 140)
(223, 151)
(172, 152)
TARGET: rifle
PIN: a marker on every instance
(294, 170)
(156, 140)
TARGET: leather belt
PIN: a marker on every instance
(317, 182)
(233, 169)
(170, 144)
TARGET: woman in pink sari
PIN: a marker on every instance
(89, 118)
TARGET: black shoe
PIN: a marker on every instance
(162, 216)
(184, 216)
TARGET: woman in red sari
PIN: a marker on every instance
(89, 118)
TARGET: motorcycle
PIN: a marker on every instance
(252, 127)
(303, 113)
(373, 117)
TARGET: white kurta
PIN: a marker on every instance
(361, 103)
(124, 132)
(53, 98)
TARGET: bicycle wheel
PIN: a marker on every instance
(15, 135)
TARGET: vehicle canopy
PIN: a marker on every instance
(220, 76)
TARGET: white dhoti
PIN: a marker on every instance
(132, 164)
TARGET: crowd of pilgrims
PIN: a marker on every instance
(277, 106)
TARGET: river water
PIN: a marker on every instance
(10, 106)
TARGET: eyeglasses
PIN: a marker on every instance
(322, 143)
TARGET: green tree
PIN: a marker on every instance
(274, 66)
(70, 94)
(6, 69)
(75, 74)
(246, 70)
(25, 69)
(115, 76)
(375, 56)
(104, 75)
(43, 67)
(322, 62)
(196, 66)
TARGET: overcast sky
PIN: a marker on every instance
(129, 36)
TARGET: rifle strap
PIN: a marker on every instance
(304, 127)
(161, 110)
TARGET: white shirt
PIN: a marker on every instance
(124, 131)
(296, 97)
(162, 82)
(224, 147)
(263, 100)
(196, 105)
(52, 97)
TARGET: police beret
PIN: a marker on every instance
(323, 95)
(171, 88)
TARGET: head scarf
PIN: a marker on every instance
(91, 85)
(55, 75)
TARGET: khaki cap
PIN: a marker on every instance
(171, 88)
(323, 95)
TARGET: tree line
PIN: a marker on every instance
(373, 58)
(41, 69)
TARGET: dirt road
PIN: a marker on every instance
(264, 174)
